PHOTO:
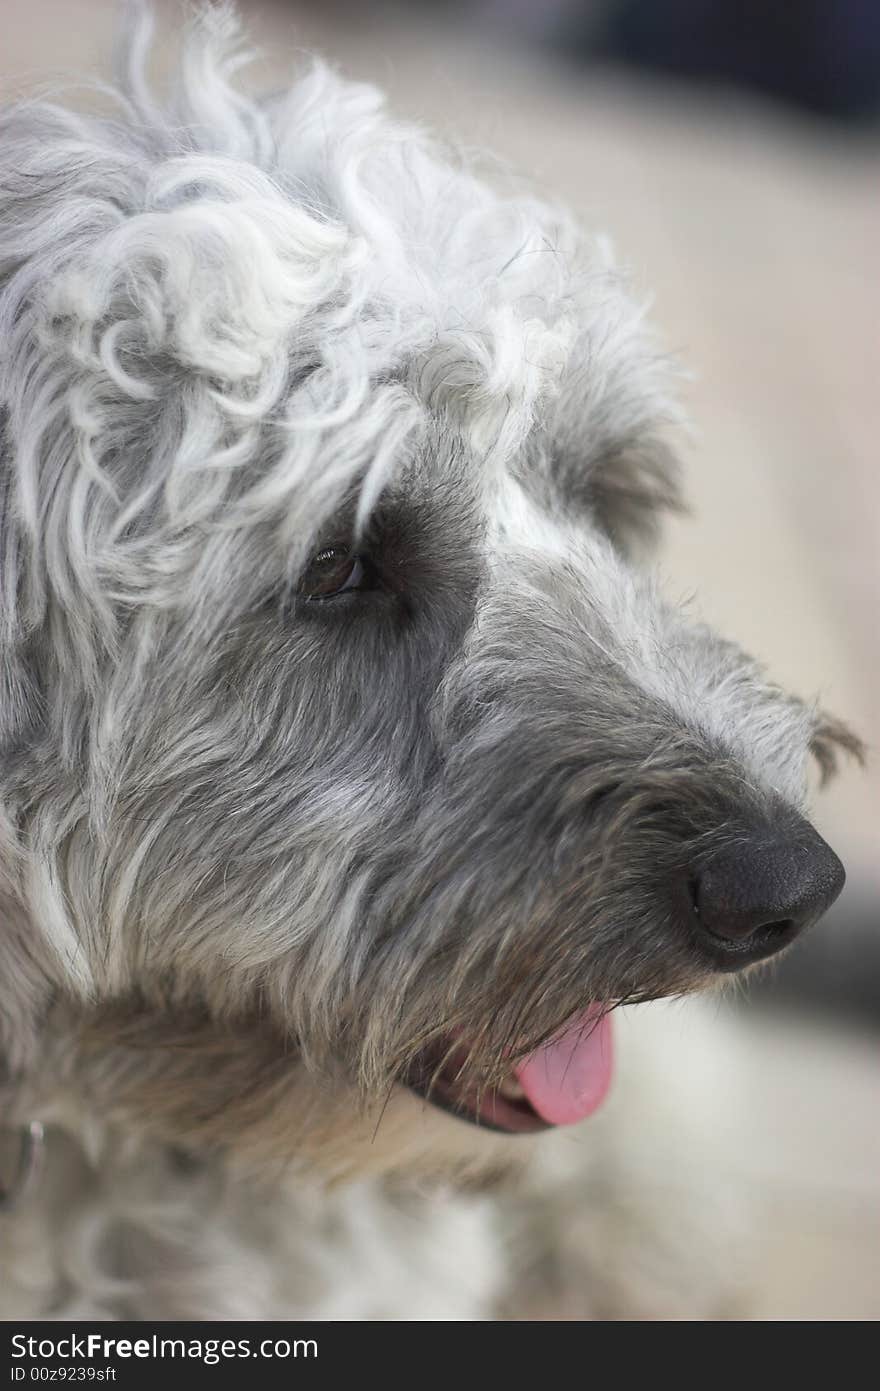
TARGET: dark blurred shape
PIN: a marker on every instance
(820, 55)
(823, 55)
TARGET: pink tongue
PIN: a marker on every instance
(567, 1079)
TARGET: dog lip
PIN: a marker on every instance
(488, 1109)
(561, 1082)
(492, 1112)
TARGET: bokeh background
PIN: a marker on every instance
(731, 148)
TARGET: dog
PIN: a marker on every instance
(356, 773)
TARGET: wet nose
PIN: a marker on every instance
(754, 898)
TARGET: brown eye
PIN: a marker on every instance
(334, 570)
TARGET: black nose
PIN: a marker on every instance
(754, 898)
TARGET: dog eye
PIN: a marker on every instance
(336, 570)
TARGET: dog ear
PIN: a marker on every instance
(631, 488)
(830, 738)
(27, 970)
(25, 987)
(22, 707)
(627, 477)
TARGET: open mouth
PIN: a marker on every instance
(560, 1083)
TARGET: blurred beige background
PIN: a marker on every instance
(758, 234)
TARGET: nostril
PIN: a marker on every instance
(786, 925)
(763, 941)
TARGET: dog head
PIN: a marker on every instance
(345, 737)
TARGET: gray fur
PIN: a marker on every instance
(233, 331)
